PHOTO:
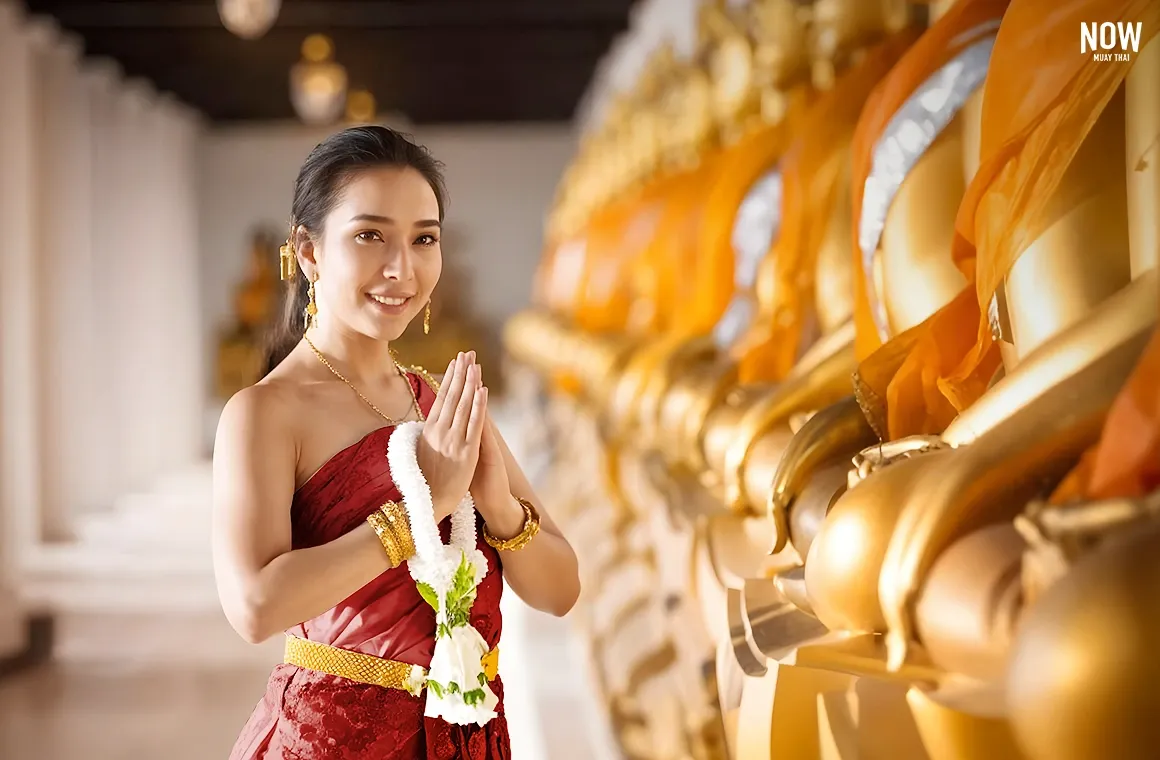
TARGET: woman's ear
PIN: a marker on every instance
(307, 253)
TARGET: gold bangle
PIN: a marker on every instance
(386, 536)
(396, 515)
(515, 543)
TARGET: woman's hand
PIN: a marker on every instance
(448, 450)
(491, 486)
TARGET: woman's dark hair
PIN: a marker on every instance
(321, 180)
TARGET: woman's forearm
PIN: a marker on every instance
(544, 573)
(304, 583)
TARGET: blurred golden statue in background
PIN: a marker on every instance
(852, 376)
(240, 347)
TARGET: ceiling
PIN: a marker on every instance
(433, 61)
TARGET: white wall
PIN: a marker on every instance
(501, 181)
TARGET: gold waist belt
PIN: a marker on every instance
(366, 668)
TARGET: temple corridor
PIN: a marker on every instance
(824, 332)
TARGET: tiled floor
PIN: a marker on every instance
(85, 710)
(180, 689)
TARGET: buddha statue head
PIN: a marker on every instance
(780, 51)
(256, 298)
(839, 28)
(728, 55)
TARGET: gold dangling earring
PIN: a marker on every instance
(427, 319)
(311, 312)
(288, 258)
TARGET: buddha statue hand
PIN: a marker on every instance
(887, 453)
(827, 437)
(1082, 672)
(1058, 536)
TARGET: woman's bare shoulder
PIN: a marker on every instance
(270, 406)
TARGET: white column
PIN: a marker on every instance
(154, 274)
(100, 331)
(133, 283)
(63, 220)
(19, 443)
(141, 276)
(183, 386)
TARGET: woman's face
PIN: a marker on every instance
(379, 259)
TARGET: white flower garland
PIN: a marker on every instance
(447, 576)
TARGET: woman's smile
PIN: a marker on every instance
(392, 305)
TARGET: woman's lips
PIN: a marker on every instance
(393, 306)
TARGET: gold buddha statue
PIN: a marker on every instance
(914, 186)
(241, 347)
(639, 370)
(1085, 308)
(759, 338)
(595, 231)
(922, 547)
(930, 540)
(653, 688)
(721, 434)
(778, 105)
(624, 481)
(907, 194)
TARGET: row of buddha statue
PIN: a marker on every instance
(844, 344)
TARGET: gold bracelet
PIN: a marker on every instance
(515, 543)
(396, 515)
(386, 536)
(394, 532)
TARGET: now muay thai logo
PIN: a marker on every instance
(1110, 41)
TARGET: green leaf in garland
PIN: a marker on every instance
(464, 581)
(461, 584)
(474, 697)
(428, 593)
(435, 687)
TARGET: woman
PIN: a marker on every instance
(312, 534)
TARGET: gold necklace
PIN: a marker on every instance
(398, 367)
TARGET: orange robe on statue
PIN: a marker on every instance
(964, 24)
(811, 169)
(1041, 99)
(1126, 461)
(662, 287)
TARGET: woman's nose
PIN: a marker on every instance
(399, 265)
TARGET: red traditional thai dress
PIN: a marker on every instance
(307, 715)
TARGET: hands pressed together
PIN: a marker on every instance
(458, 450)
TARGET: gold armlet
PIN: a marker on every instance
(394, 532)
(531, 528)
